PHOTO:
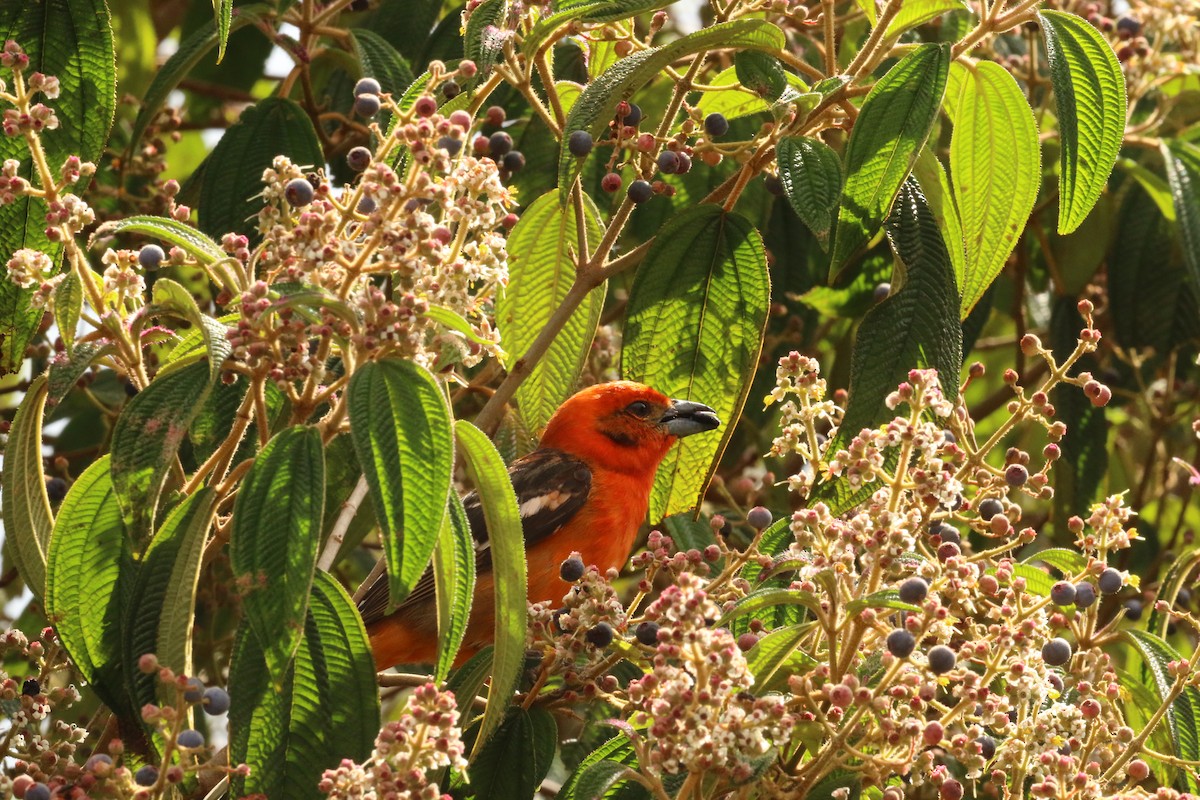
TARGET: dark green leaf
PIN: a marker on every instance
(617, 750)
(887, 137)
(917, 326)
(478, 45)
(274, 540)
(594, 782)
(327, 709)
(173, 299)
(68, 306)
(28, 518)
(146, 438)
(1068, 562)
(503, 518)
(918, 12)
(767, 598)
(380, 61)
(761, 74)
(223, 16)
(842, 785)
(406, 24)
(541, 273)
(73, 41)
(886, 598)
(1080, 472)
(454, 571)
(587, 11)
(1089, 91)
(402, 433)
(231, 186)
(1183, 176)
(693, 330)
(1183, 717)
(811, 174)
(514, 762)
(778, 655)
(184, 236)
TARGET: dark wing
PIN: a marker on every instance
(551, 486)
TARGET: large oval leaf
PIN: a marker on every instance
(598, 103)
(180, 234)
(811, 174)
(273, 544)
(887, 137)
(507, 545)
(694, 330)
(402, 433)
(1089, 92)
(88, 551)
(995, 163)
(454, 577)
(231, 183)
(541, 273)
(28, 518)
(326, 710)
(515, 761)
(1183, 716)
(1183, 176)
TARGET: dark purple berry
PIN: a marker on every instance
(1128, 27)
(358, 159)
(685, 164)
(194, 692)
(773, 185)
(514, 161)
(901, 643)
(759, 518)
(499, 143)
(146, 776)
(881, 292)
(647, 633)
(450, 145)
(31, 688)
(151, 256)
(1133, 610)
(298, 192)
(914, 590)
(450, 90)
(190, 739)
(1110, 581)
(1062, 593)
(579, 143)
(640, 191)
(716, 125)
(989, 508)
(634, 116)
(1016, 474)
(946, 531)
(668, 162)
(366, 205)
(600, 635)
(1056, 652)
(572, 569)
(1085, 594)
(367, 86)
(56, 489)
(216, 701)
(1184, 598)
(367, 105)
(941, 659)
(987, 747)
(39, 791)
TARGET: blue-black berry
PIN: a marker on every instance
(640, 191)
(1110, 581)
(514, 161)
(367, 86)
(216, 701)
(56, 489)
(1085, 594)
(634, 116)
(647, 633)
(146, 776)
(758, 517)
(579, 143)
(600, 635)
(914, 590)
(450, 145)
(450, 90)
(31, 688)
(716, 125)
(901, 643)
(989, 508)
(1133, 610)
(367, 105)
(987, 747)
(1016, 474)
(190, 739)
(39, 791)
(298, 192)
(499, 143)
(194, 692)
(1063, 593)
(668, 162)
(946, 531)
(773, 185)
(941, 659)
(881, 292)
(572, 569)
(151, 256)
(1056, 652)
(358, 159)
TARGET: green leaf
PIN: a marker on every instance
(382, 62)
(454, 575)
(478, 45)
(64, 373)
(161, 613)
(918, 12)
(996, 163)
(778, 655)
(507, 543)
(1089, 92)
(73, 41)
(1080, 473)
(1068, 562)
(694, 330)
(326, 710)
(514, 762)
(191, 51)
(769, 598)
(811, 174)
(146, 438)
(1175, 578)
(887, 137)
(28, 518)
(541, 273)
(180, 234)
(83, 599)
(596, 106)
(594, 781)
(617, 750)
(223, 16)
(761, 74)
(935, 185)
(274, 540)
(172, 298)
(1155, 185)
(886, 598)
(841, 785)
(593, 11)
(735, 102)
(916, 326)
(1183, 176)
(1183, 717)
(401, 427)
(231, 186)
(68, 307)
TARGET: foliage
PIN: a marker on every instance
(237, 370)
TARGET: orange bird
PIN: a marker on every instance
(586, 488)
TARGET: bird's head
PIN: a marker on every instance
(625, 426)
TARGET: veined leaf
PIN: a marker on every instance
(73, 41)
(1183, 717)
(382, 62)
(28, 518)
(223, 16)
(180, 234)
(598, 103)
(68, 307)
(273, 544)
(479, 43)
(935, 185)
(768, 598)
(161, 613)
(541, 273)
(995, 164)
(917, 12)
(917, 326)
(736, 101)
(778, 654)
(760, 73)
(454, 575)
(1183, 176)
(326, 710)
(1068, 562)
(811, 174)
(887, 598)
(617, 750)
(704, 351)
(1089, 92)
(507, 541)
(887, 137)
(401, 427)
(595, 780)
(231, 184)
(146, 438)
(514, 762)
(170, 297)
(588, 11)
(88, 553)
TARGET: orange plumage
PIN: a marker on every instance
(586, 488)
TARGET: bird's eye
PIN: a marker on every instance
(638, 408)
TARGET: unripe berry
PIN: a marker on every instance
(610, 182)
(461, 118)
(1138, 770)
(298, 192)
(1090, 708)
(425, 106)
(600, 635)
(747, 641)
(759, 518)
(640, 191)
(950, 790)
(716, 125)
(841, 695)
(358, 159)
(1062, 593)
(579, 143)
(914, 590)
(901, 643)
(367, 86)
(151, 256)
(367, 105)
(495, 116)
(1110, 581)
(572, 569)
(941, 659)
(1056, 652)
(1016, 474)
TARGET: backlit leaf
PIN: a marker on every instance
(28, 518)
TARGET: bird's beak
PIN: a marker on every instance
(684, 418)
